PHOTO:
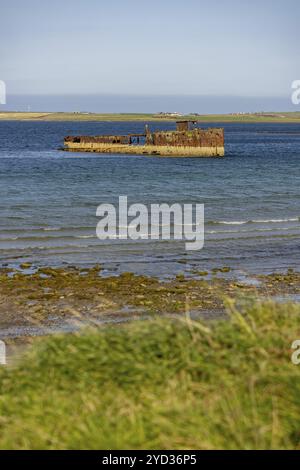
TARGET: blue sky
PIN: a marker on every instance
(216, 48)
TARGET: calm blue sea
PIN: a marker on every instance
(49, 199)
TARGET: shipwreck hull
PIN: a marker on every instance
(162, 150)
(184, 142)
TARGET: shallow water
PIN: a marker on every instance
(49, 199)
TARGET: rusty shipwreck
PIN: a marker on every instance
(186, 141)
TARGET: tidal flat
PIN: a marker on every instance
(53, 300)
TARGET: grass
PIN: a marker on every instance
(161, 384)
(283, 117)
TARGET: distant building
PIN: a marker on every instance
(169, 114)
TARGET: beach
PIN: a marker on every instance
(63, 300)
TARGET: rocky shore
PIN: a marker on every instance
(53, 300)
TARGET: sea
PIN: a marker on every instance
(49, 199)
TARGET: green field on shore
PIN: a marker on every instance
(161, 384)
(256, 117)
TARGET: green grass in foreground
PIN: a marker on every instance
(160, 384)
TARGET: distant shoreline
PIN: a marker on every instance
(278, 117)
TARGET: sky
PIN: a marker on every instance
(217, 55)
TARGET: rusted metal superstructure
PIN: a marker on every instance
(186, 141)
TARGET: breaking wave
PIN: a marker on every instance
(254, 221)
